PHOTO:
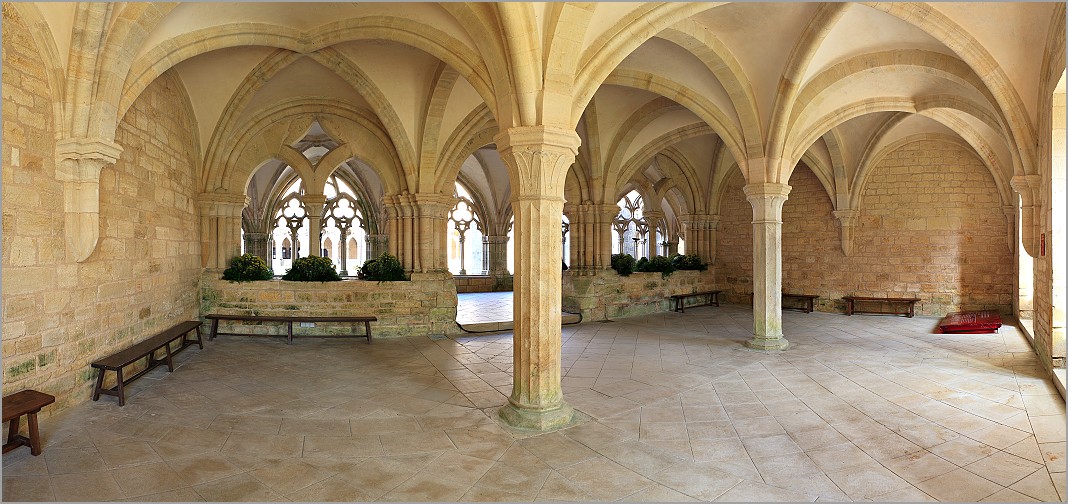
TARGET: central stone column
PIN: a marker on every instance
(767, 201)
(314, 204)
(538, 158)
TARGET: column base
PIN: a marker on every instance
(540, 420)
(768, 344)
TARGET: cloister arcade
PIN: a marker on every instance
(836, 148)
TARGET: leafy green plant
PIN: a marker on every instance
(312, 269)
(623, 264)
(642, 264)
(659, 264)
(247, 268)
(688, 262)
(384, 268)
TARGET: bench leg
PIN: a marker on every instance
(200, 341)
(367, 329)
(169, 359)
(214, 329)
(849, 307)
(715, 299)
(99, 384)
(35, 435)
(119, 386)
(289, 334)
(13, 430)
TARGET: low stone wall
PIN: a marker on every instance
(425, 305)
(483, 283)
(605, 294)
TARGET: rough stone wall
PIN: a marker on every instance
(424, 306)
(606, 295)
(60, 316)
(734, 243)
(931, 226)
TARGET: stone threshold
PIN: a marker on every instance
(508, 325)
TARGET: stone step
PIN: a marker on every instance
(508, 325)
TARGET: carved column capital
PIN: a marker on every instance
(767, 200)
(538, 158)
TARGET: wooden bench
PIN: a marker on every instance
(851, 307)
(144, 349)
(679, 300)
(26, 402)
(289, 320)
(805, 299)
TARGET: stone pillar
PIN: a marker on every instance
(417, 231)
(652, 218)
(767, 201)
(314, 204)
(1028, 187)
(497, 255)
(377, 244)
(538, 158)
(701, 235)
(400, 209)
(432, 213)
(220, 228)
(258, 244)
(78, 165)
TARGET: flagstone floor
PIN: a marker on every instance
(671, 407)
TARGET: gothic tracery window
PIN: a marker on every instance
(465, 235)
(630, 231)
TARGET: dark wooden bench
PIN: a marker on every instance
(144, 349)
(26, 402)
(289, 320)
(805, 299)
(679, 300)
(851, 305)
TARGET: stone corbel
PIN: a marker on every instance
(847, 222)
(1009, 212)
(79, 162)
(1027, 186)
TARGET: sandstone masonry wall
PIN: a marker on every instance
(931, 226)
(60, 316)
(606, 295)
(424, 306)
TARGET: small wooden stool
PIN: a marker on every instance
(26, 402)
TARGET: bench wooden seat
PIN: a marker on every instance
(851, 305)
(289, 320)
(805, 299)
(679, 304)
(144, 349)
(28, 403)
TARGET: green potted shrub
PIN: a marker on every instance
(659, 264)
(247, 268)
(312, 269)
(384, 268)
(688, 262)
(623, 264)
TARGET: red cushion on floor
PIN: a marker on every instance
(986, 321)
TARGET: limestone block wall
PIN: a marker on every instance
(931, 226)
(424, 306)
(59, 316)
(606, 295)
